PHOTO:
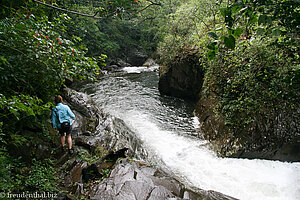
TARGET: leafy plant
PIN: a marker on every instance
(105, 172)
(36, 59)
(17, 111)
(41, 177)
(91, 158)
(253, 80)
(10, 180)
(248, 19)
(186, 28)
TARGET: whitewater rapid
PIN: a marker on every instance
(132, 95)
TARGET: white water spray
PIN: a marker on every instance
(239, 178)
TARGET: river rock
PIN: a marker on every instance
(132, 57)
(149, 63)
(135, 180)
(112, 68)
(82, 103)
(118, 64)
(136, 57)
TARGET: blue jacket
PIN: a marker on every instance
(64, 114)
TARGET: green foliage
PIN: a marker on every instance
(105, 9)
(7, 4)
(41, 177)
(16, 112)
(91, 158)
(21, 106)
(36, 59)
(112, 37)
(253, 80)
(18, 177)
(253, 18)
(105, 172)
(187, 27)
(252, 58)
(9, 180)
(39, 51)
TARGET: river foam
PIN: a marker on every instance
(240, 178)
(140, 69)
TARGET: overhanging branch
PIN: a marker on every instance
(68, 11)
(151, 4)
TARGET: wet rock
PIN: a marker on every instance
(183, 78)
(132, 180)
(127, 181)
(113, 68)
(130, 57)
(93, 129)
(70, 176)
(62, 157)
(82, 103)
(91, 173)
(169, 184)
(88, 142)
(120, 63)
(149, 62)
(289, 152)
(94, 171)
(87, 133)
(76, 172)
(136, 57)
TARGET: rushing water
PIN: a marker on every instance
(167, 127)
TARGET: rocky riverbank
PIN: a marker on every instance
(119, 170)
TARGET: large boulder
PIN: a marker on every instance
(183, 78)
(136, 57)
(133, 57)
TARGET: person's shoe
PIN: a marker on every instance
(63, 149)
(71, 151)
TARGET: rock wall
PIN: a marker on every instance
(271, 136)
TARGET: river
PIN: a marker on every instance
(167, 128)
